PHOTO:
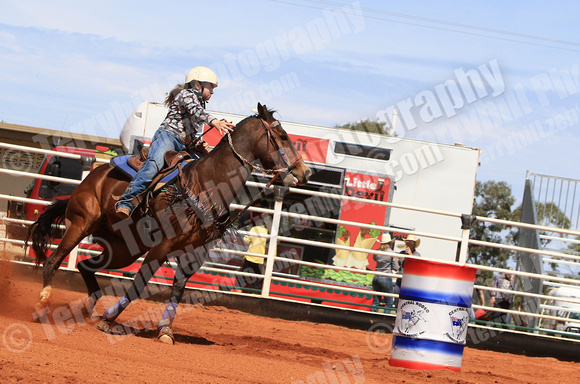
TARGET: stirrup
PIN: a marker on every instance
(123, 211)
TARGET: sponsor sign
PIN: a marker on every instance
(432, 321)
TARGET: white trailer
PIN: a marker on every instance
(561, 306)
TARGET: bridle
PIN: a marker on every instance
(276, 171)
(289, 165)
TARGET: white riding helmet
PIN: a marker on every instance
(202, 74)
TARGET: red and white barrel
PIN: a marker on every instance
(432, 315)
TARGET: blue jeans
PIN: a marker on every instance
(163, 141)
(501, 317)
(382, 284)
(397, 289)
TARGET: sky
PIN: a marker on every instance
(495, 75)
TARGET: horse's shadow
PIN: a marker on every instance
(120, 330)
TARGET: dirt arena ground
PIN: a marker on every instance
(219, 345)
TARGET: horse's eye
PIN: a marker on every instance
(284, 137)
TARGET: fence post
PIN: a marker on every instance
(466, 222)
(3, 235)
(279, 193)
(72, 259)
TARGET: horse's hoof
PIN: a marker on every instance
(166, 336)
(166, 339)
(41, 309)
(104, 326)
(88, 307)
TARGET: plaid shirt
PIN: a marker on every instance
(502, 283)
(187, 114)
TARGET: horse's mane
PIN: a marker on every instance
(224, 139)
(244, 121)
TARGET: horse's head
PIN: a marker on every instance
(276, 151)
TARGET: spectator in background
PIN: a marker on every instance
(519, 303)
(412, 242)
(253, 264)
(385, 264)
(477, 298)
(501, 299)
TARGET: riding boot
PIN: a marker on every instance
(124, 209)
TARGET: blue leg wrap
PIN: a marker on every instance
(168, 316)
(112, 313)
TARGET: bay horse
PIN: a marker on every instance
(179, 223)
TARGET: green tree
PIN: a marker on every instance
(575, 247)
(493, 199)
(368, 126)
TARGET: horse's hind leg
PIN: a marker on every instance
(88, 268)
(154, 259)
(71, 238)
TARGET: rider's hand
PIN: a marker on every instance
(222, 126)
(202, 146)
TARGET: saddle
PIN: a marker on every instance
(136, 162)
(171, 158)
(129, 165)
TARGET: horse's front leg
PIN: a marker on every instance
(153, 261)
(186, 267)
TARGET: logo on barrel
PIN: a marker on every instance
(459, 318)
(412, 317)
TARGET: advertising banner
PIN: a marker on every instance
(369, 187)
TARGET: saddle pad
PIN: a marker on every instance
(120, 162)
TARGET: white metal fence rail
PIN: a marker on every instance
(550, 312)
(557, 193)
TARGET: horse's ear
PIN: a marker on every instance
(263, 112)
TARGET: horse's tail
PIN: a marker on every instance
(45, 229)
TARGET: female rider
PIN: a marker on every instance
(185, 120)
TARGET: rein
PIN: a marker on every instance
(276, 171)
(245, 209)
(197, 139)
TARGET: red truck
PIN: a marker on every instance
(65, 167)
